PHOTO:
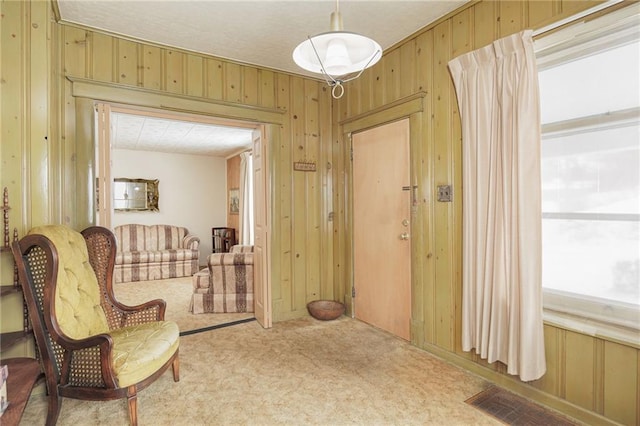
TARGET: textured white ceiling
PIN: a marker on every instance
(143, 133)
(259, 32)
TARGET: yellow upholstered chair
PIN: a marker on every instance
(91, 346)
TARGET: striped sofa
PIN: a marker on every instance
(154, 252)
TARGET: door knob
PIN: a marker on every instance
(404, 236)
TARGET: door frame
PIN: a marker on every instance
(411, 107)
(87, 94)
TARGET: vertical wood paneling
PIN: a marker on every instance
(392, 76)
(549, 382)
(68, 153)
(419, 236)
(101, 54)
(444, 308)
(284, 224)
(621, 383)
(365, 90)
(339, 154)
(328, 288)
(233, 181)
(312, 188)
(152, 72)
(127, 64)
(461, 43)
(174, 71)
(579, 371)
(541, 11)
(250, 85)
(512, 17)
(377, 84)
(38, 113)
(13, 58)
(407, 70)
(74, 52)
(353, 91)
(425, 66)
(266, 95)
(215, 79)
(599, 375)
(462, 26)
(195, 75)
(574, 6)
(485, 23)
(232, 82)
(299, 200)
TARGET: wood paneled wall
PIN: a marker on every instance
(233, 181)
(599, 376)
(49, 166)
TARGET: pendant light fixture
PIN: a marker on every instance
(340, 56)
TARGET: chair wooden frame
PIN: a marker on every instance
(81, 369)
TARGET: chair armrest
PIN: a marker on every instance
(218, 259)
(191, 242)
(92, 357)
(153, 310)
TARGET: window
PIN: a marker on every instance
(589, 78)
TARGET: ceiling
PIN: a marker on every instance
(148, 133)
(261, 32)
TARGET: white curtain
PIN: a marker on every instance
(246, 199)
(497, 91)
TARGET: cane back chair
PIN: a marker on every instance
(91, 346)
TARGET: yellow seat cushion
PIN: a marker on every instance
(140, 350)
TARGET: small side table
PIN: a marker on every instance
(222, 239)
(24, 373)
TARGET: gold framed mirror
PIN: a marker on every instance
(135, 194)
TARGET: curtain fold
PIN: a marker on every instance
(246, 199)
(497, 93)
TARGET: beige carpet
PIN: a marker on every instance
(177, 293)
(300, 372)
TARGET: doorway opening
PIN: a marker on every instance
(196, 173)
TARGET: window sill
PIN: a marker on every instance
(594, 328)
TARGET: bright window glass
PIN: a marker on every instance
(590, 109)
(602, 82)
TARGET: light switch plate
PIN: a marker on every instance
(444, 193)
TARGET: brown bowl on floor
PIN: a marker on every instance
(325, 310)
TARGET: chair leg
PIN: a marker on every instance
(175, 366)
(53, 408)
(132, 399)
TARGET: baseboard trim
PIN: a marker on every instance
(521, 388)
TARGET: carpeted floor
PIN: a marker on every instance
(300, 372)
(177, 293)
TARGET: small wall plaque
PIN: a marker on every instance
(305, 166)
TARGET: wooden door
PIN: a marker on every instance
(381, 217)
(261, 285)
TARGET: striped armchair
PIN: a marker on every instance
(227, 284)
(154, 252)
